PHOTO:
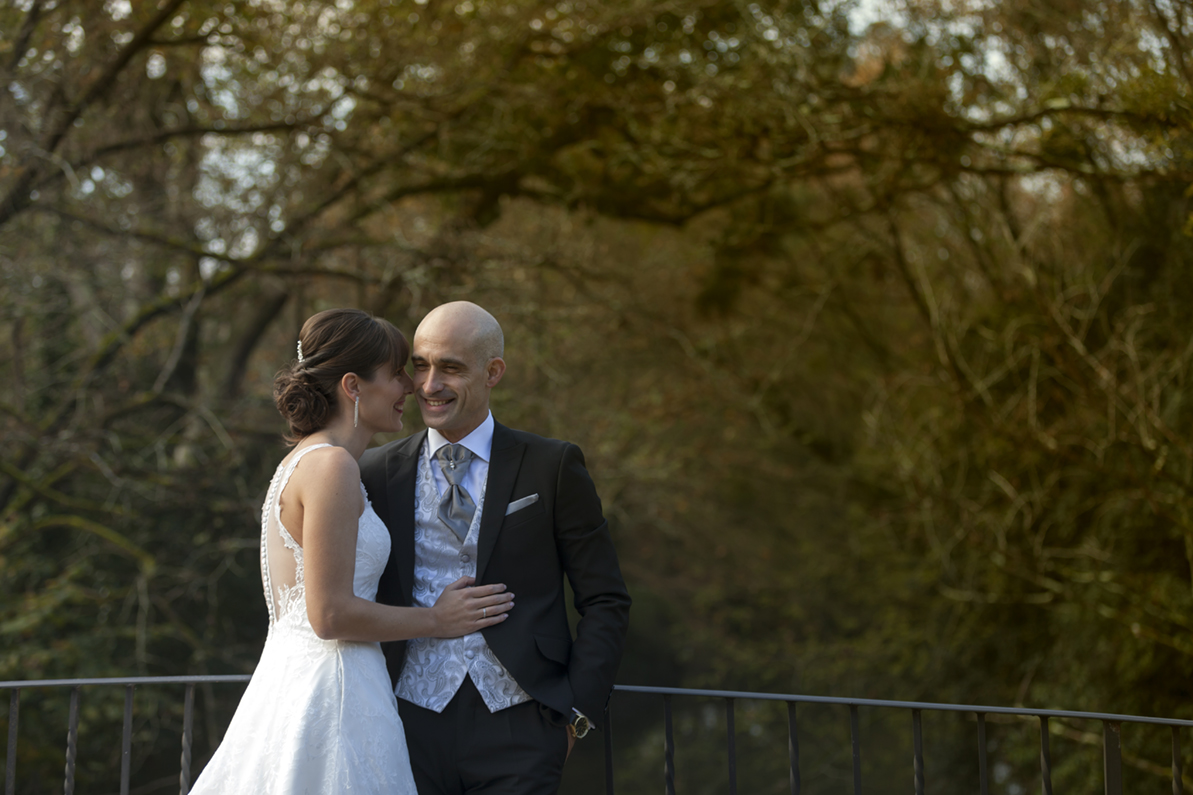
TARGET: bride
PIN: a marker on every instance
(319, 715)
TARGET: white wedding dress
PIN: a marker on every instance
(319, 716)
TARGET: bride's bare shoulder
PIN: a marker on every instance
(328, 466)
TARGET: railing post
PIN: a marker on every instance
(1178, 781)
(917, 734)
(983, 775)
(731, 731)
(188, 719)
(609, 746)
(793, 748)
(668, 748)
(72, 742)
(10, 767)
(1045, 758)
(856, 741)
(126, 743)
(1112, 760)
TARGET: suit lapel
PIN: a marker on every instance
(504, 461)
(402, 472)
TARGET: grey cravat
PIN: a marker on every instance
(456, 508)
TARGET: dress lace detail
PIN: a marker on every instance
(319, 716)
(290, 597)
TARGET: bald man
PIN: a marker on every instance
(497, 711)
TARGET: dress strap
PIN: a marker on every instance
(272, 509)
(291, 544)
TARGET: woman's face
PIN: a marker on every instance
(383, 399)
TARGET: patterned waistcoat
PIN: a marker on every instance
(435, 667)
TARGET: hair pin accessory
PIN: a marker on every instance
(300, 351)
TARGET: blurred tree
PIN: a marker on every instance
(875, 338)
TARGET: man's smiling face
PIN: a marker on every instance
(452, 377)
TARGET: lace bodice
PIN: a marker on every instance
(282, 570)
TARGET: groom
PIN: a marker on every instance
(496, 711)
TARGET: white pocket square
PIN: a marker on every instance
(518, 505)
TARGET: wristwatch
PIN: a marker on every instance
(579, 726)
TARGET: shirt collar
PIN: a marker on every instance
(479, 442)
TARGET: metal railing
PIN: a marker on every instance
(1111, 731)
(1111, 736)
(72, 728)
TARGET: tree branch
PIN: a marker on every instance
(18, 197)
(146, 560)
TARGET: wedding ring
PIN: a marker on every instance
(484, 612)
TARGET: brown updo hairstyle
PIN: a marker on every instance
(335, 342)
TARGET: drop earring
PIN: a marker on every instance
(356, 413)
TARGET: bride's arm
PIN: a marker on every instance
(331, 504)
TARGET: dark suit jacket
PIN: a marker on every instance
(531, 551)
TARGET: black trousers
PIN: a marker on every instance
(519, 750)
